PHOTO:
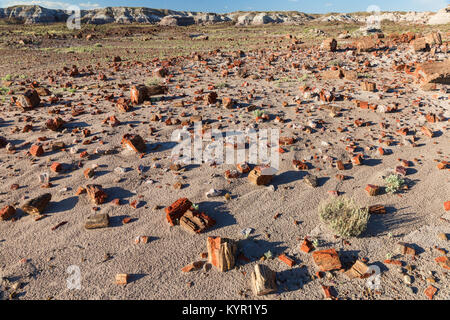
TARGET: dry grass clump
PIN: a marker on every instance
(344, 217)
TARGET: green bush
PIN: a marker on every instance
(344, 217)
(393, 183)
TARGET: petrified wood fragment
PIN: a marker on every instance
(37, 205)
(221, 253)
(263, 280)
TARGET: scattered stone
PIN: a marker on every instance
(133, 142)
(260, 176)
(221, 253)
(176, 210)
(122, 279)
(311, 180)
(37, 205)
(372, 190)
(7, 212)
(283, 257)
(430, 291)
(329, 44)
(96, 193)
(29, 100)
(99, 220)
(263, 280)
(327, 260)
(196, 222)
(358, 270)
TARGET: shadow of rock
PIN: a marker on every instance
(254, 248)
(61, 206)
(293, 279)
(135, 277)
(288, 177)
(216, 211)
(161, 146)
(384, 223)
(118, 193)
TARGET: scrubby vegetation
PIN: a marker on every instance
(344, 217)
(393, 183)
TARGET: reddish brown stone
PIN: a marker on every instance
(232, 174)
(7, 212)
(329, 44)
(96, 193)
(426, 131)
(210, 98)
(366, 44)
(377, 209)
(138, 94)
(176, 210)
(357, 160)
(37, 205)
(420, 44)
(133, 142)
(56, 167)
(299, 165)
(89, 173)
(29, 100)
(196, 222)
(430, 292)
(372, 190)
(221, 253)
(327, 292)
(36, 150)
(243, 167)
(434, 72)
(394, 262)
(290, 262)
(447, 205)
(227, 103)
(55, 124)
(307, 246)
(443, 261)
(327, 260)
(403, 248)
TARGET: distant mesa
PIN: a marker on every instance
(33, 14)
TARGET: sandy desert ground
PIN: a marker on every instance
(282, 70)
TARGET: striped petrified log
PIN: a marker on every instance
(263, 280)
(221, 253)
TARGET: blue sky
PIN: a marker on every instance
(221, 6)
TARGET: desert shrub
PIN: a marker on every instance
(153, 81)
(344, 217)
(258, 113)
(393, 183)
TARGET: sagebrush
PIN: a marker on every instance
(393, 183)
(344, 217)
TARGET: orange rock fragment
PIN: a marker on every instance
(430, 292)
(327, 260)
(290, 262)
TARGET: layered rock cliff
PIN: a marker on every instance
(37, 14)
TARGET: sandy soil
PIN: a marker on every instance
(34, 258)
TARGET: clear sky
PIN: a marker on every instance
(222, 6)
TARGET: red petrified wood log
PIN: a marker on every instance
(221, 253)
(176, 210)
(96, 193)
